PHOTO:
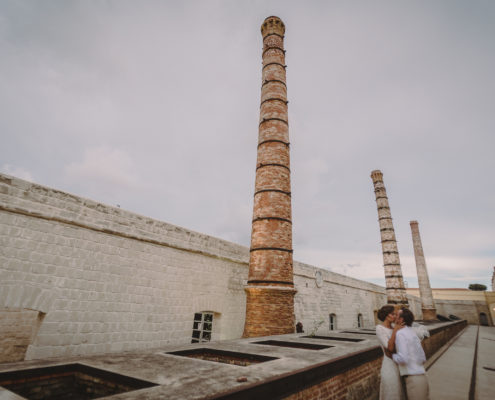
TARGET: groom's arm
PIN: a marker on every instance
(401, 357)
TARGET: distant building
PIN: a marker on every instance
(477, 307)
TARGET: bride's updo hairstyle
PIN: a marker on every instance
(384, 311)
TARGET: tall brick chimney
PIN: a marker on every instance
(396, 292)
(270, 290)
(427, 303)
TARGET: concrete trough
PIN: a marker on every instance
(68, 381)
(296, 345)
(337, 338)
(223, 356)
(229, 369)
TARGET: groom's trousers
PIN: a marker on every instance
(417, 387)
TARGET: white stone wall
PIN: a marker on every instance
(107, 280)
(464, 309)
(338, 294)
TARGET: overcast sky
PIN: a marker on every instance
(154, 106)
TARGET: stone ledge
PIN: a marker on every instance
(346, 370)
(22, 197)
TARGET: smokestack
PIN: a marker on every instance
(396, 292)
(270, 290)
(427, 303)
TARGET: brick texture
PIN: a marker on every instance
(363, 381)
(360, 383)
(396, 291)
(439, 337)
(270, 291)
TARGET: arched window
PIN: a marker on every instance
(333, 322)
(360, 320)
(202, 327)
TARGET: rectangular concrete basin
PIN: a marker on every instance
(68, 381)
(297, 345)
(341, 339)
(223, 356)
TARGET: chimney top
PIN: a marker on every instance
(272, 25)
(376, 175)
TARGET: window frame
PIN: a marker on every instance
(202, 327)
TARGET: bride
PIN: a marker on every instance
(390, 384)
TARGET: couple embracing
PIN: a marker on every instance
(403, 374)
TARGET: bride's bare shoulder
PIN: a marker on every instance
(381, 327)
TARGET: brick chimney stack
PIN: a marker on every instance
(427, 304)
(396, 292)
(270, 290)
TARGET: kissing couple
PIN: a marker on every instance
(403, 374)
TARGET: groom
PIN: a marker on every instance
(410, 357)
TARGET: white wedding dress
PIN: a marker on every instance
(390, 383)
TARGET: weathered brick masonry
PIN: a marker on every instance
(396, 292)
(359, 383)
(270, 291)
(362, 381)
(440, 336)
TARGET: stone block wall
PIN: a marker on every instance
(108, 280)
(321, 293)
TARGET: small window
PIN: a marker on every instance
(333, 322)
(202, 327)
(360, 320)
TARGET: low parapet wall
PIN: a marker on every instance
(354, 376)
(343, 365)
(361, 380)
(440, 335)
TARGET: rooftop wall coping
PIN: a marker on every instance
(291, 371)
(23, 197)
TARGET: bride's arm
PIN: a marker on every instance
(381, 334)
(391, 342)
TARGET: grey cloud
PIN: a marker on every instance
(398, 86)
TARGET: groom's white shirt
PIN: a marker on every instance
(410, 355)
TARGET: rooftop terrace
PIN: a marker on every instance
(263, 367)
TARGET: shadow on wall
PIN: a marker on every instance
(22, 311)
(18, 329)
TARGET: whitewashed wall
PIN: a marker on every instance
(107, 280)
